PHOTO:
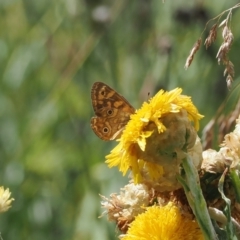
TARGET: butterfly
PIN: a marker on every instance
(112, 112)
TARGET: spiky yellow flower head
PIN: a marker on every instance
(5, 202)
(166, 223)
(153, 141)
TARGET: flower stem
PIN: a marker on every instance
(236, 183)
(229, 227)
(190, 182)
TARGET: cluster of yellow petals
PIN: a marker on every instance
(136, 133)
(158, 223)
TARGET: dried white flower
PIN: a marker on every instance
(129, 203)
(5, 202)
(228, 155)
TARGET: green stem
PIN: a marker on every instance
(229, 227)
(236, 183)
(193, 191)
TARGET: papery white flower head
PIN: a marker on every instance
(228, 154)
(5, 202)
(129, 203)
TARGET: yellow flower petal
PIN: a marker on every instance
(163, 223)
(154, 134)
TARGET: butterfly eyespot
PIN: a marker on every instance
(110, 112)
(105, 130)
(111, 109)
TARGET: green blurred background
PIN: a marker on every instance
(51, 52)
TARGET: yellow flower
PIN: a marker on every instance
(163, 223)
(5, 202)
(152, 143)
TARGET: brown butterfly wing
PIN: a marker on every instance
(112, 111)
